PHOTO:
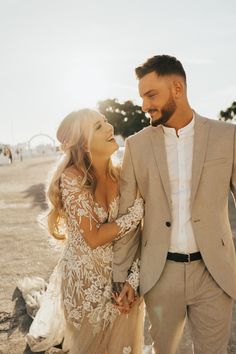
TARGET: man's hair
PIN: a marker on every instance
(162, 65)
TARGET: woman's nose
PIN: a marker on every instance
(110, 128)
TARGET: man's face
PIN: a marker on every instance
(157, 97)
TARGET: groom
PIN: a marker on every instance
(184, 166)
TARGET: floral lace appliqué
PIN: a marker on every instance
(133, 276)
(130, 221)
(86, 272)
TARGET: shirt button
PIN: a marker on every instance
(168, 223)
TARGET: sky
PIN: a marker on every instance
(57, 56)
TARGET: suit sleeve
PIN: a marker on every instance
(125, 249)
(233, 176)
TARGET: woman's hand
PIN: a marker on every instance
(126, 299)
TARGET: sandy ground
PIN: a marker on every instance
(26, 251)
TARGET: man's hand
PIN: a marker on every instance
(122, 306)
(124, 296)
(127, 293)
(117, 287)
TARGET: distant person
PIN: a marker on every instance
(19, 154)
(184, 166)
(84, 198)
(8, 153)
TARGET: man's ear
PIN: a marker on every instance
(178, 88)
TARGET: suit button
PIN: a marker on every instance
(168, 223)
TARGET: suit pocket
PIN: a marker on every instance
(215, 162)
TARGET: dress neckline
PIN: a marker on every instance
(111, 204)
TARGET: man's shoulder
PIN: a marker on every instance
(215, 123)
(141, 135)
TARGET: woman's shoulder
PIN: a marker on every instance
(71, 176)
(72, 172)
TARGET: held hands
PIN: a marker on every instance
(123, 297)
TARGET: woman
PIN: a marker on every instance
(84, 202)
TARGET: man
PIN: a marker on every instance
(183, 165)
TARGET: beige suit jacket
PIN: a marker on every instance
(213, 175)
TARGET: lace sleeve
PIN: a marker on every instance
(133, 275)
(130, 221)
(78, 204)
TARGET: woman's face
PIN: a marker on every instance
(103, 142)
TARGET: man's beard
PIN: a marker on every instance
(166, 113)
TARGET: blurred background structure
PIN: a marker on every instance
(58, 56)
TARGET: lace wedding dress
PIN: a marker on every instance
(77, 304)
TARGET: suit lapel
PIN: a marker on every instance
(158, 146)
(201, 130)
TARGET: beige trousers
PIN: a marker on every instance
(188, 291)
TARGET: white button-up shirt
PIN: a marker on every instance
(179, 150)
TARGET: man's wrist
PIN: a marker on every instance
(117, 287)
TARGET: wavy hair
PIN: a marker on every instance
(75, 134)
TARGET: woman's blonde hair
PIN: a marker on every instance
(75, 134)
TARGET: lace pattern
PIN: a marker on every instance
(86, 272)
(130, 221)
(133, 276)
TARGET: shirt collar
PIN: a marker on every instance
(187, 130)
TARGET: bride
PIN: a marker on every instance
(84, 197)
